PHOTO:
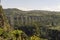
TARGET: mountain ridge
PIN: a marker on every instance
(15, 10)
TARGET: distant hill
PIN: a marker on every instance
(45, 17)
(15, 10)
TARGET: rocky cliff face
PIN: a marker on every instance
(18, 17)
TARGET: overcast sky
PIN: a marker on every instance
(52, 5)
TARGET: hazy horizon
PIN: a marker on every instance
(49, 5)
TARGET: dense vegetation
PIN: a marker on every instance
(49, 24)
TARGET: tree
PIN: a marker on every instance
(35, 38)
(18, 34)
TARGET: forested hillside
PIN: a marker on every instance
(51, 18)
(35, 24)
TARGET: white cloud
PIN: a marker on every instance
(25, 9)
(52, 8)
(48, 8)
